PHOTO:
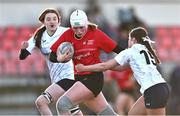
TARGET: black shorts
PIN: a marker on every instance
(94, 82)
(66, 83)
(156, 96)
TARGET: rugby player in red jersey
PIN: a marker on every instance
(87, 41)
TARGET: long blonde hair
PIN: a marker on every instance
(92, 26)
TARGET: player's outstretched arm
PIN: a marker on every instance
(120, 68)
(23, 52)
(97, 67)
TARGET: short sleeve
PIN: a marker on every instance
(123, 57)
(105, 42)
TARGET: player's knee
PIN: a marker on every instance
(107, 111)
(64, 105)
(40, 101)
(43, 99)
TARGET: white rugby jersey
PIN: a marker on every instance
(141, 63)
(58, 71)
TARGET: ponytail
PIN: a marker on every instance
(152, 51)
(141, 35)
(38, 35)
(92, 26)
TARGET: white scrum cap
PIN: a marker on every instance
(78, 18)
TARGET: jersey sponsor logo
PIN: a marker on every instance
(90, 42)
(43, 41)
(148, 104)
(79, 57)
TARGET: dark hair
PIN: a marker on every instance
(43, 14)
(38, 35)
(39, 32)
(139, 34)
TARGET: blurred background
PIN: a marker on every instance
(22, 81)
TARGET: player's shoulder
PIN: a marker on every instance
(97, 30)
(126, 51)
(60, 28)
(63, 29)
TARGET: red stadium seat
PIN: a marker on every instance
(11, 32)
(10, 66)
(175, 31)
(161, 32)
(25, 67)
(1, 33)
(33, 64)
(25, 31)
(2, 59)
(39, 65)
(163, 53)
(8, 44)
(166, 42)
(177, 42)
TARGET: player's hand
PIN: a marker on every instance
(24, 45)
(64, 57)
(79, 67)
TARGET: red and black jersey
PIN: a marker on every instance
(87, 49)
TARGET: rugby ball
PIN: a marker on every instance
(64, 48)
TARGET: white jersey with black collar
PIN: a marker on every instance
(58, 71)
(142, 65)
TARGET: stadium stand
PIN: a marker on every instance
(168, 42)
(168, 46)
(167, 38)
(19, 78)
(9, 49)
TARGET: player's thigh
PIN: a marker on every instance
(97, 104)
(138, 108)
(55, 91)
(123, 101)
(78, 93)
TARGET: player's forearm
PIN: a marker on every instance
(120, 68)
(96, 67)
(23, 54)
